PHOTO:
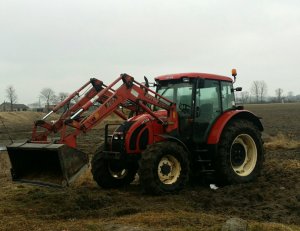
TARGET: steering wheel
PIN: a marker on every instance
(185, 108)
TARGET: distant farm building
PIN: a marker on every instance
(15, 107)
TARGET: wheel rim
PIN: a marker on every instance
(169, 169)
(243, 155)
(117, 172)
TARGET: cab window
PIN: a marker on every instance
(227, 95)
(180, 93)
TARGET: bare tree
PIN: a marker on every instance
(290, 96)
(255, 90)
(48, 96)
(278, 94)
(263, 90)
(259, 90)
(245, 97)
(11, 95)
(62, 96)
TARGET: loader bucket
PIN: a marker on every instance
(45, 164)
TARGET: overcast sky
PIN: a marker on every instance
(62, 43)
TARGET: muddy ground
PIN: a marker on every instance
(270, 203)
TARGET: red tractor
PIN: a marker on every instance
(189, 126)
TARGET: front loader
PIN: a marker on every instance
(47, 161)
(188, 128)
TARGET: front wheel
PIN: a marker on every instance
(109, 173)
(240, 153)
(164, 168)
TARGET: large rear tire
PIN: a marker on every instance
(240, 153)
(164, 168)
(110, 173)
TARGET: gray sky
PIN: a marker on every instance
(62, 43)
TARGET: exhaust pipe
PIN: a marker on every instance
(46, 164)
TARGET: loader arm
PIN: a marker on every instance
(97, 86)
(129, 91)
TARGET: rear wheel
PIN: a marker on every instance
(164, 168)
(240, 153)
(110, 173)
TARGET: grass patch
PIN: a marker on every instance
(281, 141)
(272, 227)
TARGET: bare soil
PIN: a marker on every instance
(279, 118)
(270, 203)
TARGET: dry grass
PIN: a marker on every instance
(24, 117)
(272, 227)
(4, 165)
(281, 141)
(84, 180)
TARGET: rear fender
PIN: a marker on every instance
(221, 122)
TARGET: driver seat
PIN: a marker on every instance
(185, 100)
(184, 115)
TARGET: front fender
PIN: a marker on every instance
(174, 139)
(217, 128)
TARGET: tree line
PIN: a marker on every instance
(259, 94)
(46, 98)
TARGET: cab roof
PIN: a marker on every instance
(193, 75)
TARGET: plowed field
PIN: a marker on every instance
(270, 203)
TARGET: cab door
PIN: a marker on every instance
(181, 92)
(184, 103)
(207, 108)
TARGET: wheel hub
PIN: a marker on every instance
(169, 169)
(117, 171)
(165, 169)
(238, 154)
(243, 155)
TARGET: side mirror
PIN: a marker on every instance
(236, 89)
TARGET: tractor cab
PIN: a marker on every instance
(200, 99)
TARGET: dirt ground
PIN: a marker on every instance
(270, 203)
(279, 118)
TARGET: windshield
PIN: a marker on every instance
(179, 93)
